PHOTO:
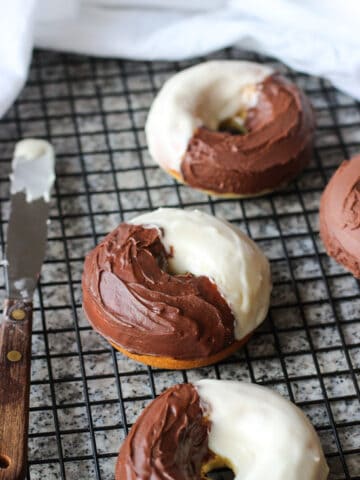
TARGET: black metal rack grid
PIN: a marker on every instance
(84, 395)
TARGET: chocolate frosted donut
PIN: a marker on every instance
(176, 289)
(231, 128)
(340, 216)
(170, 439)
(192, 429)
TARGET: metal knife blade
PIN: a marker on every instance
(31, 182)
(25, 250)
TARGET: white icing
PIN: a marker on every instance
(261, 434)
(33, 169)
(25, 287)
(202, 95)
(205, 245)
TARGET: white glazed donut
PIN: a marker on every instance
(202, 95)
(262, 435)
(205, 245)
(231, 128)
(192, 429)
(176, 288)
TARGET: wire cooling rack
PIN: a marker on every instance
(84, 395)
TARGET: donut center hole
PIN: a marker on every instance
(218, 469)
(236, 125)
(168, 265)
(171, 270)
(220, 474)
(254, 116)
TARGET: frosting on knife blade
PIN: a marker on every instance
(33, 169)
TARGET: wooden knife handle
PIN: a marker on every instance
(15, 357)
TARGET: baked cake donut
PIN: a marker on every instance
(176, 289)
(340, 216)
(192, 429)
(231, 128)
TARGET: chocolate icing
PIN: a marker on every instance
(351, 207)
(276, 148)
(340, 215)
(168, 441)
(131, 299)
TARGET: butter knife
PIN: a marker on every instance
(31, 180)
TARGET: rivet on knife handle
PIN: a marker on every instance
(31, 181)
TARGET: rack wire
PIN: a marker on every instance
(84, 395)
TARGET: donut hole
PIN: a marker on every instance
(173, 265)
(220, 474)
(170, 269)
(222, 110)
(249, 119)
(218, 468)
(236, 125)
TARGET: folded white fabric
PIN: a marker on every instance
(318, 37)
(16, 42)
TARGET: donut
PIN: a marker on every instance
(231, 128)
(192, 429)
(176, 289)
(340, 216)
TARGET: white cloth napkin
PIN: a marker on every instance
(319, 37)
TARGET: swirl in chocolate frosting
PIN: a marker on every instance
(276, 147)
(168, 441)
(131, 299)
(351, 209)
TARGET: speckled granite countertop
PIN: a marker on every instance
(83, 394)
